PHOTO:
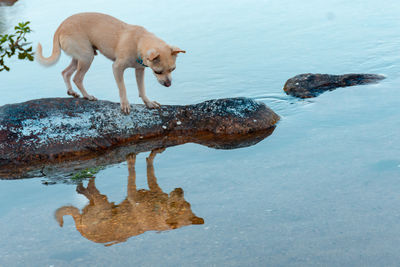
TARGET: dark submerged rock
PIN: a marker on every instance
(7, 2)
(56, 135)
(311, 85)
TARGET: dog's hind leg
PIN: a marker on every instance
(81, 50)
(67, 73)
(83, 67)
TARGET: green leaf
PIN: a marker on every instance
(12, 43)
(87, 173)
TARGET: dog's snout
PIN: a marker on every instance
(167, 83)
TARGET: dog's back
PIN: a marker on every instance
(90, 31)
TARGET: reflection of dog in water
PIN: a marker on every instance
(141, 211)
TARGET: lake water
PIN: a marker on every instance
(322, 190)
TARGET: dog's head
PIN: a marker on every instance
(162, 62)
(179, 211)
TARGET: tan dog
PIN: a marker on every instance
(143, 210)
(129, 46)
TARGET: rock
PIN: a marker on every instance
(72, 133)
(311, 85)
(7, 2)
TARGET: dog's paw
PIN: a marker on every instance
(125, 107)
(80, 188)
(131, 158)
(152, 104)
(158, 150)
(153, 154)
(90, 98)
(73, 93)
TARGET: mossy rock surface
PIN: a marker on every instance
(58, 130)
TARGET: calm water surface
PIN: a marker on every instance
(323, 189)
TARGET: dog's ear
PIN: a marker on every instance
(176, 50)
(197, 220)
(152, 54)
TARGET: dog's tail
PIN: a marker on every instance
(66, 210)
(55, 55)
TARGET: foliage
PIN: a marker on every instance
(15, 43)
(87, 173)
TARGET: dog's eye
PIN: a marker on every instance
(158, 72)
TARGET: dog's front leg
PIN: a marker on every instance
(142, 92)
(151, 177)
(118, 70)
(131, 160)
